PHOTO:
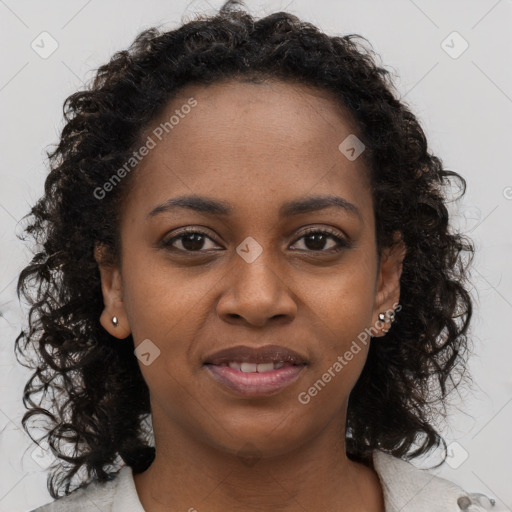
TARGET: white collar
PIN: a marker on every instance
(405, 488)
(410, 489)
(126, 498)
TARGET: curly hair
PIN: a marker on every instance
(88, 387)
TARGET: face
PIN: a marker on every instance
(264, 266)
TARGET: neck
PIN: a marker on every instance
(191, 475)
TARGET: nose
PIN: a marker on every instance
(255, 294)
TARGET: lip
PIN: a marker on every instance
(244, 354)
(255, 384)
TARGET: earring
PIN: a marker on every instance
(382, 318)
(115, 321)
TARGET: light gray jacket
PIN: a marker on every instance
(405, 488)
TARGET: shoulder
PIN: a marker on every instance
(93, 496)
(407, 489)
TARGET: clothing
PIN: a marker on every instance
(405, 489)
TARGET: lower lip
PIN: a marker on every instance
(255, 384)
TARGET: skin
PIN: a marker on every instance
(254, 146)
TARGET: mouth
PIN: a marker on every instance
(254, 372)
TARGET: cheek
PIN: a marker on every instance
(340, 310)
(340, 357)
(157, 312)
(342, 302)
(165, 307)
(160, 300)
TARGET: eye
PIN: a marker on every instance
(315, 240)
(191, 240)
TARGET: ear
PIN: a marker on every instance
(112, 289)
(387, 295)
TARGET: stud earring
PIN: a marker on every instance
(115, 321)
(382, 318)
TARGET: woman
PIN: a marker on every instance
(244, 240)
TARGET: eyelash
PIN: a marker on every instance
(342, 243)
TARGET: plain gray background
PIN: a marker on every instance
(462, 98)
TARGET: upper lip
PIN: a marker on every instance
(265, 354)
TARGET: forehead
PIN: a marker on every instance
(250, 139)
(260, 112)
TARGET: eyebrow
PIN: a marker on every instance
(299, 206)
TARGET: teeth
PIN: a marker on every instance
(248, 367)
(265, 367)
(253, 367)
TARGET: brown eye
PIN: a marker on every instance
(316, 240)
(191, 240)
